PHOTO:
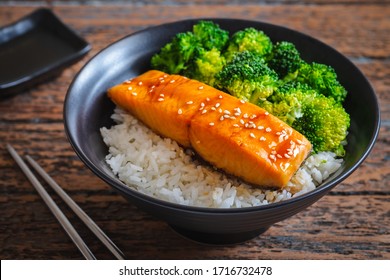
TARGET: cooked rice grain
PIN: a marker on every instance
(159, 167)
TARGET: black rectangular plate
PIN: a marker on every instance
(36, 48)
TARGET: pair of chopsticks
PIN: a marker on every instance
(70, 230)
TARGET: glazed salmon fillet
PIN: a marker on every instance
(238, 137)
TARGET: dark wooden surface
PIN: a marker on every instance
(352, 222)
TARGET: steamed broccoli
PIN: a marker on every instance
(248, 39)
(325, 123)
(247, 77)
(175, 56)
(321, 119)
(189, 49)
(210, 35)
(285, 59)
(287, 101)
(322, 78)
(205, 65)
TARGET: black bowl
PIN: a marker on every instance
(87, 109)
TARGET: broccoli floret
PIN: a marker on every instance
(248, 39)
(189, 52)
(205, 66)
(322, 78)
(321, 119)
(287, 101)
(247, 77)
(210, 35)
(175, 56)
(285, 59)
(325, 123)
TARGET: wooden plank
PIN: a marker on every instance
(349, 234)
(201, 2)
(355, 36)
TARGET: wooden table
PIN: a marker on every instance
(352, 222)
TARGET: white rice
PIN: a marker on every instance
(159, 167)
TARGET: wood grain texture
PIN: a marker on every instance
(352, 222)
(194, 2)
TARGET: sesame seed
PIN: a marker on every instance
(211, 124)
(217, 105)
(268, 129)
(252, 125)
(128, 82)
(213, 108)
(242, 121)
(287, 156)
(266, 113)
(272, 157)
(220, 96)
(279, 156)
(285, 166)
(130, 88)
(134, 93)
(226, 112)
(260, 127)
(162, 80)
(242, 101)
(232, 118)
(165, 75)
(172, 81)
(140, 83)
(272, 146)
(207, 99)
(202, 104)
(201, 87)
(189, 102)
(236, 125)
(221, 118)
(252, 135)
(262, 138)
(220, 110)
(180, 111)
(245, 116)
(204, 111)
(161, 94)
(253, 116)
(160, 99)
(246, 125)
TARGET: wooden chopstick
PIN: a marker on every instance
(58, 213)
(78, 211)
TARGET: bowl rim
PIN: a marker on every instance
(321, 190)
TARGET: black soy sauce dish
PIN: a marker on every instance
(35, 49)
(87, 109)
